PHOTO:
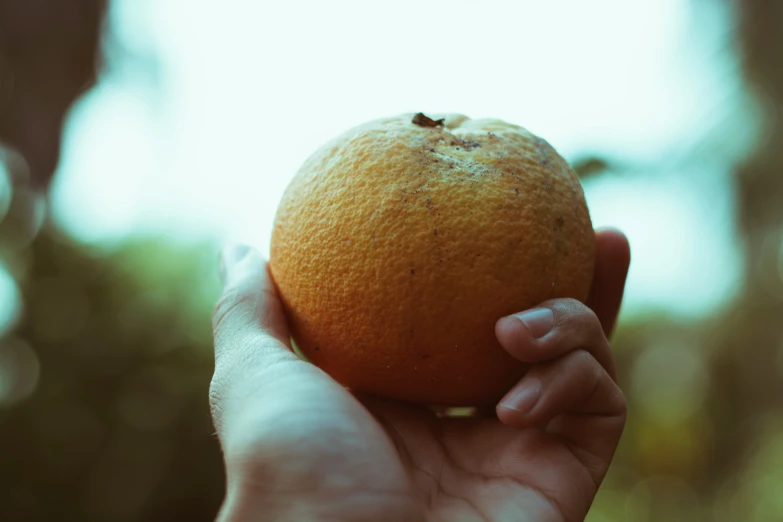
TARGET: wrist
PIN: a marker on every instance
(279, 482)
(330, 507)
(247, 500)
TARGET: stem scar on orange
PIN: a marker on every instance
(398, 245)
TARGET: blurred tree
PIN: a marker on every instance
(752, 384)
(118, 428)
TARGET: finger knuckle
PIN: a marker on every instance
(619, 401)
(231, 303)
(567, 306)
(216, 400)
(229, 367)
(622, 405)
(569, 311)
(572, 303)
(588, 366)
(586, 360)
(583, 325)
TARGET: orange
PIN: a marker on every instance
(398, 245)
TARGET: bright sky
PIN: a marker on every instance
(241, 92)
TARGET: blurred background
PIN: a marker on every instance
(137, 136)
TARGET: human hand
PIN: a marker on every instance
(298, 446)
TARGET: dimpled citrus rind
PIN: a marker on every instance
(397, 247)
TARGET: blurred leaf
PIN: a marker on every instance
(118, 428)
(590, 166)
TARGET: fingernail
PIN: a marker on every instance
(538, 321)
(522, 398)
(230, 256)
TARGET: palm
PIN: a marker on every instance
(453, 469)
(480, 469)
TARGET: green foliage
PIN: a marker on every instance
(118, 428)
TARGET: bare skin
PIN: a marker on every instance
(298, 446)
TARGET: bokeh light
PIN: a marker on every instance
(10, 302)
(6, 190)
(19, 371)
(670, 381)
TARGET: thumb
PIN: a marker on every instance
(250, 332)
(249, 305)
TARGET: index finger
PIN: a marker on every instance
(552, 330)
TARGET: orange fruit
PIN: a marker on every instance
(398, 245)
